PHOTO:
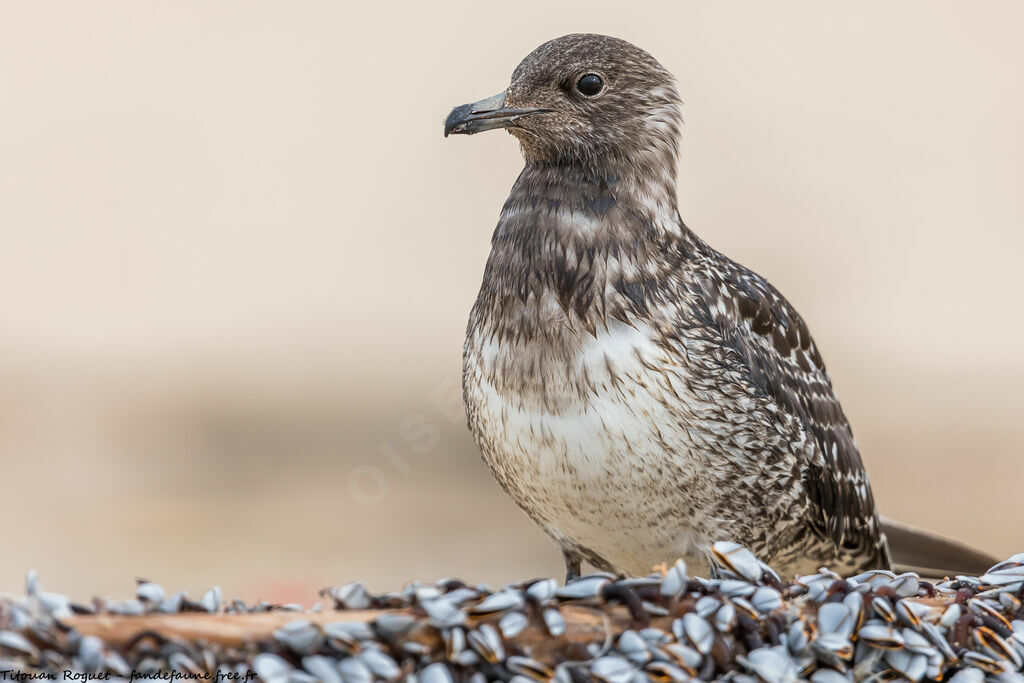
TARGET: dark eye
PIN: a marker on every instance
(590, 85)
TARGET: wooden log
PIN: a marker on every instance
(583, 625)
(221, 629)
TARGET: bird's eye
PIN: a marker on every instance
(590, 85)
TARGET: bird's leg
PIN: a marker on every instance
(572, 564)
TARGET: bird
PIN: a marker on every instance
(638, 394)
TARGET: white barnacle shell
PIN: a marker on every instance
(797, 637)
(499, 602)
(612, 669)
(874, 578)
(172, 603)
(931, 631)
(699, 632)
(323, 668)
(513, 623)
(380, 663)
(352, 595)
(906, 585)
(833, 646)
(462, 595)
(633, 647)
(271, 668)
(707, 605)
(1002, 576)
(354, 670)
(531, 668)
(17, 642)
(910, 613)
(737, 559)
(766, 599)
(664, 671)
(725, 618)
(836, 618)
(90, 653)
(583, 588)
(917, 642)
(438, 672)
(554, 621)
(911, 665)
(737, 588)
(884, 609)
(487, 643)
(149, 592)
(881, 635)
(676, 579)
(443, 613)
(542, 590)
(301, 636)
(951, 615)
(772, 664)
(57, 605)
(684, 655)
(211, 599)
(830, 676)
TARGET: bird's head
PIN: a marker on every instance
(582, 97)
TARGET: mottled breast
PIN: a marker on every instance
(611, 441)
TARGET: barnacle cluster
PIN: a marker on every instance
(745, 624)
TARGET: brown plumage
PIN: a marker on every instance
(637, 393)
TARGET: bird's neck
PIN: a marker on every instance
(645, 178)
(592, 203)
(578, 244)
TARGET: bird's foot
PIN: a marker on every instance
(572, 565)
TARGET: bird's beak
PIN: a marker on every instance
(485, 115)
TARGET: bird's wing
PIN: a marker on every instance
(783, 361)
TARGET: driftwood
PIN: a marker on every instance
(746, 625)
(583, 625)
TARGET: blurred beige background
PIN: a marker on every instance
(237, 256)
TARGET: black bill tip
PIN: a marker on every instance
(459, 117)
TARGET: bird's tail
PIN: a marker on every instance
(928, 554)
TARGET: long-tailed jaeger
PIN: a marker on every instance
(640, 395)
